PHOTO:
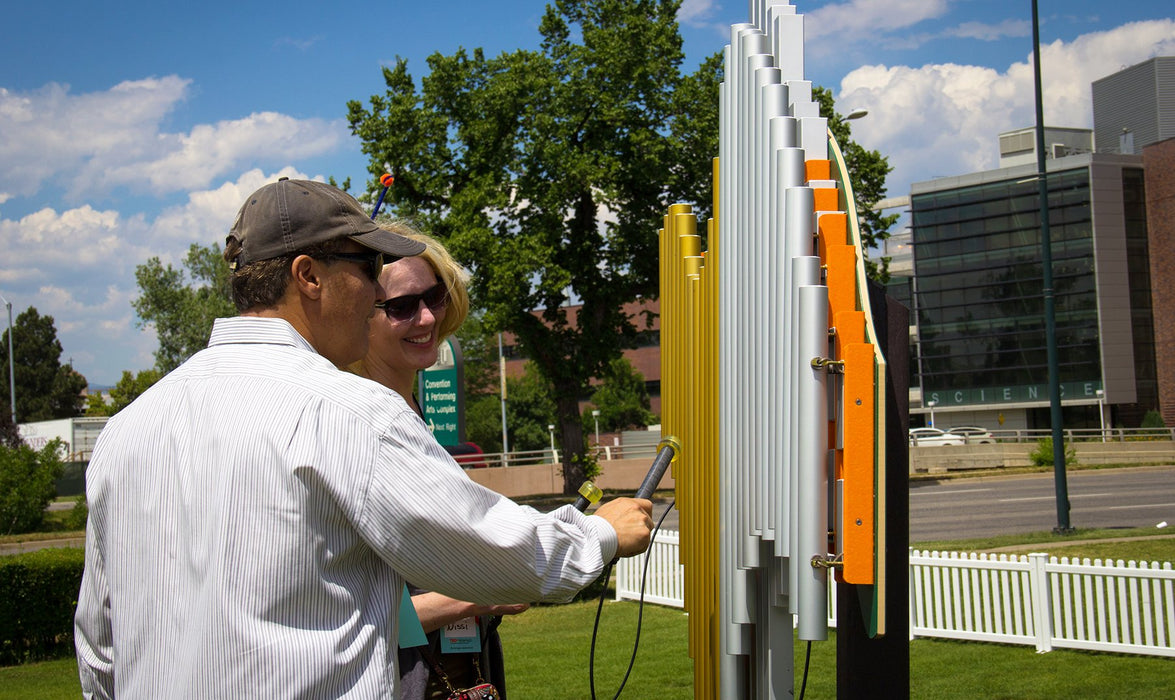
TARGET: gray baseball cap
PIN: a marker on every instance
(288, 216)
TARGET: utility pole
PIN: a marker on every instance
(1050, 314)
(11, 363)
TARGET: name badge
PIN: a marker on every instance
(461, 637)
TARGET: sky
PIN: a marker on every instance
(134, 129)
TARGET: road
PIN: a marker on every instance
(982, 507)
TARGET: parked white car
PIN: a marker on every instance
(973, 434)
(933, 436)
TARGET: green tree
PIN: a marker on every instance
(544, 172)
(621, 398)
(128, 388)
(181, 307)
(9, 433)
(530, 408)
(867, 171)
(694, 138)
(45, 388)
(479, 347)
(27, 484)
(483, 422)
(1152, 419)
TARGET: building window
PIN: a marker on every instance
(979, 293)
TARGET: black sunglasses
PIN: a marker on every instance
(373, 262)
(406, 307)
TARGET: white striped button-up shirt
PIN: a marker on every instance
(254, 515)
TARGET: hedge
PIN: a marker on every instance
(38, 603)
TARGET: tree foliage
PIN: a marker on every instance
(181, 307)
(479, 347)
(45, 388)
(530, 408)
(128, 388)
(9, 433)
(621, 398)
(867, 170)
(27, 484)
(544, 172)
(548, 172)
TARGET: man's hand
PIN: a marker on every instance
(633, 521)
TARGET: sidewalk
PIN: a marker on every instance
(34, 545)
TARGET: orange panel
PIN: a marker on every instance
(841, 261)
(859, 415)
(833, 226)
(826, 198)
(818, 169)
(850, 329)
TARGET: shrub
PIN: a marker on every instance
(591, 464)
(76, 520)
(1042, 456)
(37, 608)
(1153, 419)
(27, 485)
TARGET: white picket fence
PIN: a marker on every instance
(1051, 603)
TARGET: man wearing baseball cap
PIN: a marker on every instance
(254, 514)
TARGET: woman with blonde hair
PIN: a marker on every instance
(426, 301)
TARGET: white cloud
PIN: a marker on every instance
(76, 260)
(48, 132)
(210, 150)
(696, 12)
(992, 32)
(301, 44)
(93, 143)
(944, 119)
(74, 238)
(78, 266)
(862, 20)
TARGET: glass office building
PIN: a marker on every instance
(980, 342)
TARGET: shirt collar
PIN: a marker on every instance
(256, 330)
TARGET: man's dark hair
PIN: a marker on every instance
(261, 284)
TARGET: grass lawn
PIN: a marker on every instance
(547, 652)
(548, 648)
(1137, 544)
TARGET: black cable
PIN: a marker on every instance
(807, 658)
(595, 629)
(639, 616)
(641, 607)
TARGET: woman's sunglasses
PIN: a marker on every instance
(406, 308)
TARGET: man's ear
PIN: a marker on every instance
(306, 274)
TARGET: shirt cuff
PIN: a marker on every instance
(609, 542)
(605, 533)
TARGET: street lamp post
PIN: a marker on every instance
(502, 379)
(1060, 479)
(11, 363)
(596, 417)
(856, 114)
(551, 430)
(1101, 411)
(931, 404)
